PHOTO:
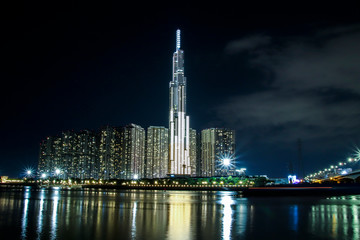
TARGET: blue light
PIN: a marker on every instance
(292, 179)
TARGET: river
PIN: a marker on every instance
(155, 214)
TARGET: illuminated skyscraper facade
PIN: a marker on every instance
(50, 155)
(85, 156)
(133, 152)
(109, 152)
(179, 122)
(217, 152)
(193, 151)
(157, 152)
(73, 154)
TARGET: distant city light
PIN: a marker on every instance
(136, 176)
(43, 175)
(292, 179)
(57, 171)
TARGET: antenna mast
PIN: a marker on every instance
(178, 39)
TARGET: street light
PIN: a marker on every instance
(226, 161)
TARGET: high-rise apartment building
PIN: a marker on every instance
(109, 153)
(50, 156)
(193, 151)
(133, 152)
(179, 122)
(122, 152)
(113, 153)
(157, 152)
(87, 155)
(198, 155)
(217, 154)
(72, 155)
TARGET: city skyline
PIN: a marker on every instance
(130, 153)
(275, 77)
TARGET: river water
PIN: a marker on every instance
(155, 214)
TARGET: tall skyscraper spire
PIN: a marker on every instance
(178, 42)
(179, 123)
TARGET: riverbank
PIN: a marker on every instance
(278, 190)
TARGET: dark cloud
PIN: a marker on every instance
(315, 90)
(248, 43)
(338, 30)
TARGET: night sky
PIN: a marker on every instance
(275, 75)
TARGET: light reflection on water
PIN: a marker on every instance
(340, 220)
(227, 217)
(54, 214)
(133, 224)
(25, 213)
(179, 217)
(138, 214)
(40, 214)
(294, 217)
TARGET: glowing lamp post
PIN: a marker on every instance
(28, 174)
(226, 162)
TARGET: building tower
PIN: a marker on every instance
(179, 126)
(218, 150)
(133, 152)
(193, 151)
(157, 152)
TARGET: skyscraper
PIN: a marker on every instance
(157, 152)
(50, 156)
(193, 151)
(85, 156)
(74, 154)
(179, 126)
(133, 152)
(108, 156)
(218, 149)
